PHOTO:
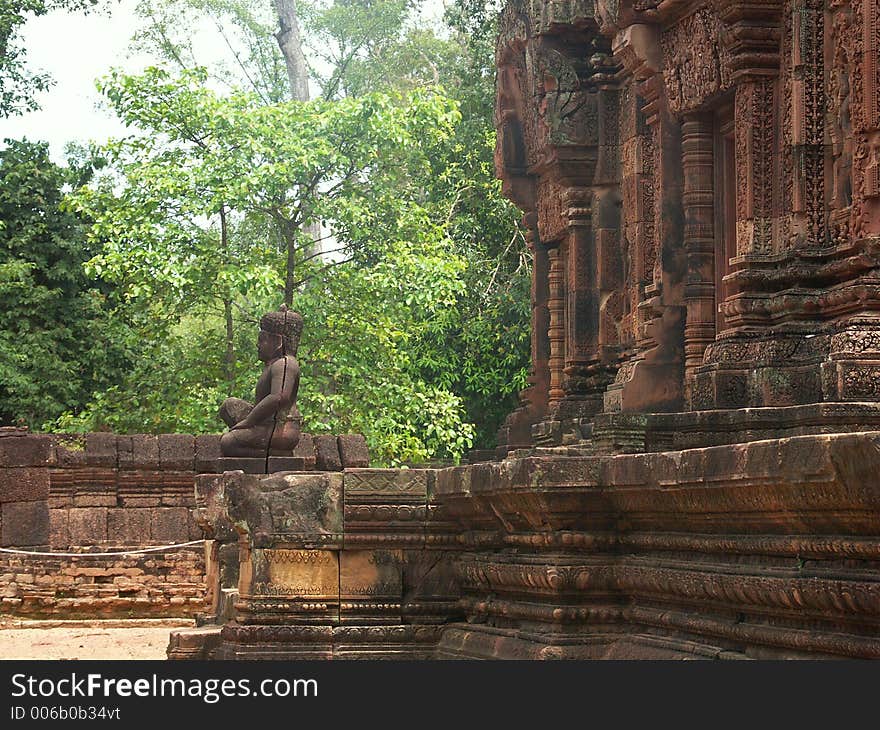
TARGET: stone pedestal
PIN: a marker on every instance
(329, 565)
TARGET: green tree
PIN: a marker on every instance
(58, 342)
(417, 324)
(211, 203)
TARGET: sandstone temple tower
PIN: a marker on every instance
(701, 187)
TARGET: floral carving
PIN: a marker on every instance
(695, 60)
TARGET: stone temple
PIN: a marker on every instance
(693, 470)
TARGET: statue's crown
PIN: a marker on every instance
(284, 322)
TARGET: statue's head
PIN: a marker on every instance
(279, 333)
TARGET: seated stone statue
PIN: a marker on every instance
(271, 426)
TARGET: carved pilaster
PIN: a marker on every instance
(865, 39)
(540, 294)
(808, 123)
(699, 238)
(754, 138)
(581, 304)
(556, 330)
(516, 431)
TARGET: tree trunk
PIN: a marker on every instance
(290, 241)
(229, 360)
(290, 43)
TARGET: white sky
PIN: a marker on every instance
(75, 49)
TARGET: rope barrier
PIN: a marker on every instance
(139, 551)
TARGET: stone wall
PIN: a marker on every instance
(161, 584)
(766, 549)
(100, 492)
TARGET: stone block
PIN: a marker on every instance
(207, 452)
(430, 576)
(311, 575)
(140, 486)
(129, 525)
(177, 451)
(371, 584)
(70, 450)
(24, 524)
(94, 499)
(59, 534)
(31, 450)
(327, 453)
(22, 484)
(169, 524)
(177, 489)
(353, 451)
(139, 451)
(290, 463)
(210, 514)
(87, 525)
(271, 465)
(305, 450)
(305, 509)
(101, 449)
(405, 484)
(194, 531)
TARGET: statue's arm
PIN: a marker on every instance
(284, 383)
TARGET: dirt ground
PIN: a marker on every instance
(86, 639)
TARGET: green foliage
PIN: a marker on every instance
(274, 169)
(416, 326)
(58, 342)
(174, 384)
(357, 359)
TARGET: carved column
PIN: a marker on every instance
(866, 118)
(750, 36)
(754, 138)
(556, 329)
(607, 227)
(653, 380)
(699, 238)
(540, 294)
(581, 320)
(516, 431)
(808, 122)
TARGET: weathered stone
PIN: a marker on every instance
(87, 525)
(31, 450)
(59, 534)
(101, 449)
(371, 585)
(24, 524)
(177, 452)
(411, 483)
(207, 452)
(327, 453)
(170, 524)
(271, 465)
(24, 484)
(353, 451)
(305, 509)
(140, 451)
(305, 450)
(70, 450)
(129, 526)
